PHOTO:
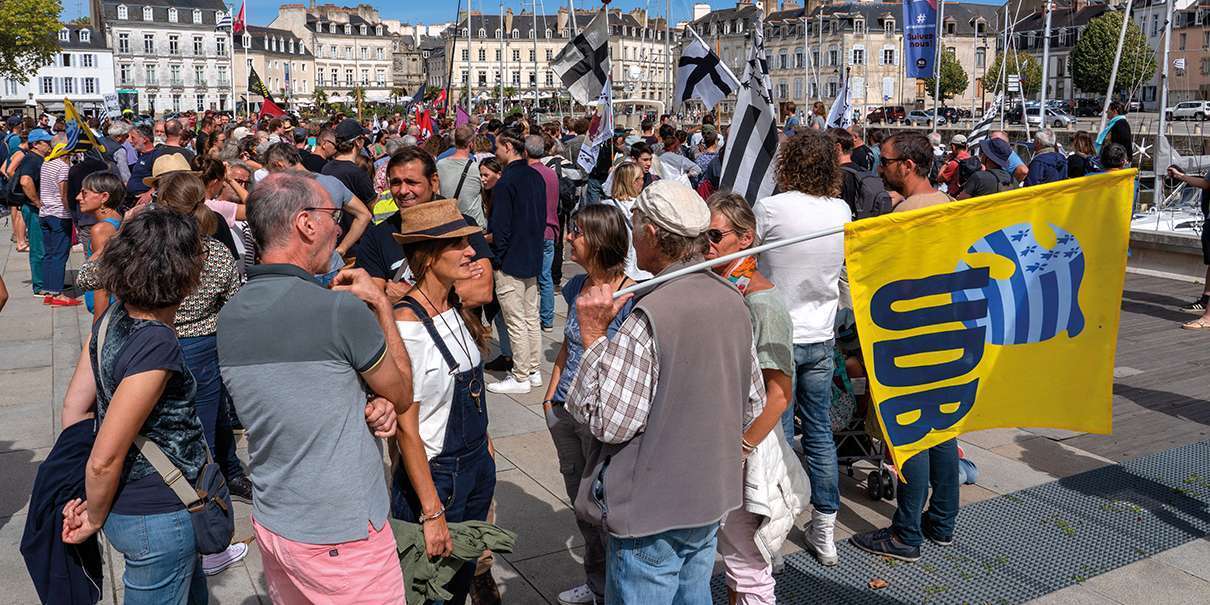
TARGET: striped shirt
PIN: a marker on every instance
(54, 173)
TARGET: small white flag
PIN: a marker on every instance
(701, 75)
(841, 114)
(1179, 63)
(587, 158)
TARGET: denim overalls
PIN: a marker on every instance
(463, 472)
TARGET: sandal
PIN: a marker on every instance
(23, 248)
(1197, 324)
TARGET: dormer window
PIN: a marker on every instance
(548, 32)
(362, 30)
(348, 29)
(147, 13)
(888, 27)
(980, 28)
(64, 35)
(123, 12)
(516, 34)
(482, 33)
(85, 35)
(951, 28)
(291, 46)
(377, 30)
(859, 26)
(197, 15)
(247, 40)
(464, 33)
(331, 28)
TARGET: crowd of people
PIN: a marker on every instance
(332, 286)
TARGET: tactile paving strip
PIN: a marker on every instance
(1023, 545)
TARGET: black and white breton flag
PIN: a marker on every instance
(748, 159)
(984, 127)
(583, 64)
(701, 75)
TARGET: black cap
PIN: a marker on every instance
(348, 129)
(14, 121)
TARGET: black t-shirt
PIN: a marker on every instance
(850, 185)
(1120, 133)
(312, 162)
(31, 166)
(380, 255)
(985, 182)
(1078, 165)
(185, 151)
(357, 180)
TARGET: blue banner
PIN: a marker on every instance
(920, 37)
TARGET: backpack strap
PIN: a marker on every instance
(465, 169)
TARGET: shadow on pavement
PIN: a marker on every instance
(19, 470)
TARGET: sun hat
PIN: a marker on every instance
(996, 150)
(438, 219)
(674, 207)
(166, 164)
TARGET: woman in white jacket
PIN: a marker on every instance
(775, 485)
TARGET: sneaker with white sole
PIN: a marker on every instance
(821, 537)
(216, 563)
(580, 595)
(510, 385)
(535, 379)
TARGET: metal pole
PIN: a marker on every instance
(534, 35)
(937, 66)
(1158, 196)
(659, 279)
(667, 56)
(806, 61)
(468, 55)
(1117, 59)
(819, 46)
(1046, 66)
(234, 112)
(500, 80)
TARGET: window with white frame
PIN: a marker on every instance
(124, 73)
(197, 15)
(64, 60)
(90, 86)
(150, 75)
(222, 75)
(365, 77)
(123, 12)
(482, 33)
(888, 56)
(48, 85)
(199, 45)
(858, 57)
(362, 30)
(859, 26)
(201, 102)
(380, 77)
(123, 42)
(199, 74)
(148, 14)
(348, 77)
(379, 54)
(980, 57)
(176, 102)
(516, 34)
(172, 15)
(174, 44)
(174, 74)
(549, 54)
(149, 44)
(348, 29)
(331, 28)
(246, 40)
(888, 27)
(516, 55)
(291, 46)
(220, 46)
(88, 60)
(365, 53)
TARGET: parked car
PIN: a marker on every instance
(1134, 106)
(917, 117)
(1054, 118)
(1189, 110)
(889, 113)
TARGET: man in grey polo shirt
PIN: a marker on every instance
(294, 356)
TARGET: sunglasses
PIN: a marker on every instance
(716, 235)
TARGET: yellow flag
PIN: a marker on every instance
(79, 136)
(1001, 311)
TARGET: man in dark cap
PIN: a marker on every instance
(994, 155)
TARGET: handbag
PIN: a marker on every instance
(208, 501)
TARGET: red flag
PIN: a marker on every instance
(440, 98)
(270, 109)
(241, 20)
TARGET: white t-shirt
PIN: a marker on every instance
(432, 384)
(806, 273)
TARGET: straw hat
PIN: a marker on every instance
(438, 219)
(172, 162)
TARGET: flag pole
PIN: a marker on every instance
(714, 262)
(937, 66)
(1117, 59)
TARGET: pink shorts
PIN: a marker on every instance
(360, 571)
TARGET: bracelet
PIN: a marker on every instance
(437, 515)
(746, 445)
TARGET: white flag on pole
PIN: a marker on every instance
(748, 158)
(841, 114)
(701, 75)
(587, 158)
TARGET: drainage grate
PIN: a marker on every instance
(1027, 544)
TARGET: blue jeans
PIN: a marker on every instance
(593, 192)
(938, 467)
(162, 564)
(546, 287)
(670, 567)
(201, 356)
(813, 398)
(33, 231)
(56, 244)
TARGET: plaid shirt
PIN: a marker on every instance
(615, 383)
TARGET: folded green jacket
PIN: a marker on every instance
(426, 578)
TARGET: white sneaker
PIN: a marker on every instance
(510, 385)
(580, 595)
(535, 378)
(820, 537)
(216, 563)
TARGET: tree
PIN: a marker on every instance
(321, 100)
(29, 38)
(1092, 58)
(953, 78)
(1020, 64)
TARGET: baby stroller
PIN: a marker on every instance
(856, 439)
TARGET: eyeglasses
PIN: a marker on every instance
(336, 212)
(716, 235)
(576, 231)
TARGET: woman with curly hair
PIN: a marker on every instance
(808, 175)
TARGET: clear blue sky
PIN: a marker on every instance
(261, 12)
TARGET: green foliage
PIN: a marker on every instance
(953, 78)
(29, 38)
(321, 99)
(1092, 58)
(1022, 64)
